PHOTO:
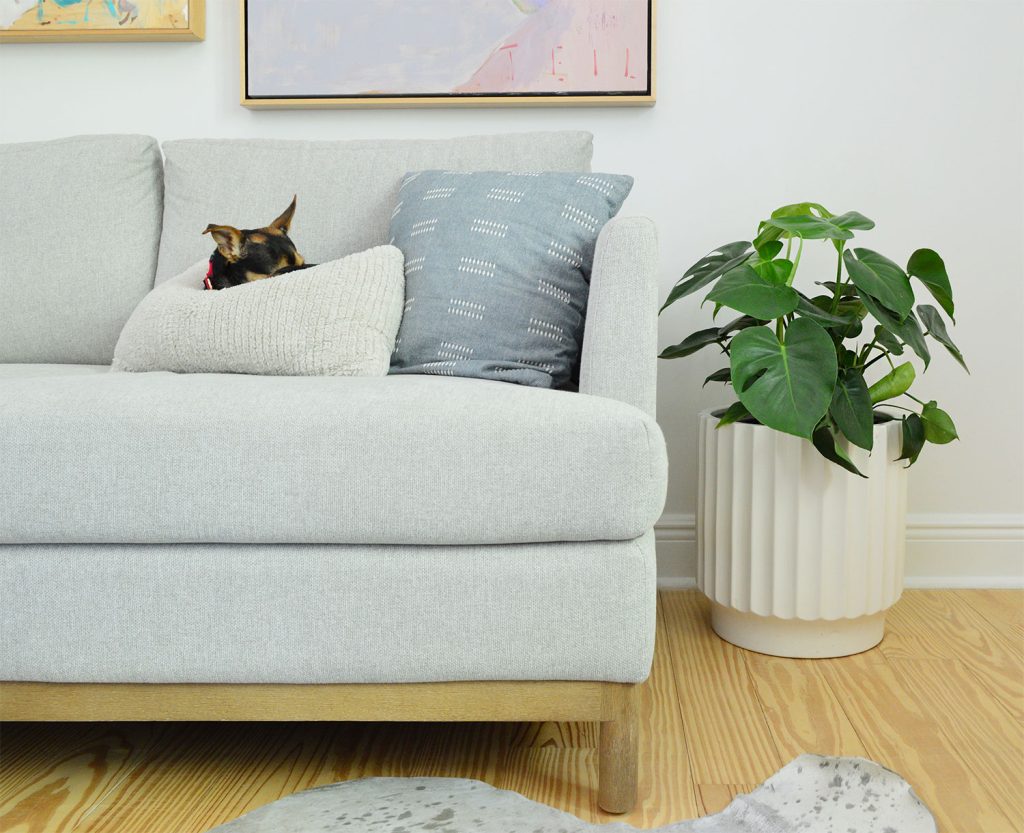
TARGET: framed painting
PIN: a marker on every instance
(409, 53)
(101, 20)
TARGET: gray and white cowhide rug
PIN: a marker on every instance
(813, 794)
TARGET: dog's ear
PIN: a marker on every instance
(228, 240)
(284, 222)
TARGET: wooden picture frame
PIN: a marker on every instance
(72, 31)
(642, 98)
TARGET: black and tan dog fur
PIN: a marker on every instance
(245, 255)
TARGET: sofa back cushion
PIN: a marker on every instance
(78, 244)
(346, 190)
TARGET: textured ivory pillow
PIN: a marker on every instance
(336, 319)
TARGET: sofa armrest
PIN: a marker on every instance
(620, 342)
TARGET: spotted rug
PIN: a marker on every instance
(812, 794)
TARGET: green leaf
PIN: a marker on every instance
(768, 233)
(770, 249)
(794, 379)
(691, 344)
(847, 358)
(894, 383)
(810, 227)
(797, 209)
(927, 267)
(708, 269)
(723, 375)
(830, 446)
(810, 308)
(938, 426)
(744, 290)
(853, 220)
(937, 329)
(774, 271)
(740, 323)
(849, 290)
(851, 408)
(913, 439)
(883, 280)
(734, 413)
(909, 330)
(888, 341)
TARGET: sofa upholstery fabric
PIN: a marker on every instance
(227, 528)
(346, 190)
(621, 336)
(322, 614)
(168, 458)
(498, 271)
(339, 318)
(78, 244)
(30, 371)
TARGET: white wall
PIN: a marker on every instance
(911, 111)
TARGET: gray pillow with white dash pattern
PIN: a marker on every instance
(497, 271)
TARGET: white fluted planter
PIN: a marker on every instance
(798, 557)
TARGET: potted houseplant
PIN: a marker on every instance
(802, 501)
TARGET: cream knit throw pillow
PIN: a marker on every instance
(336, 319)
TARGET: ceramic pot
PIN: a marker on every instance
(799, 557)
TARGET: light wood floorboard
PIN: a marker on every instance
(939, 701)
(930, 625)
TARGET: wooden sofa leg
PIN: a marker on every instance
(619, 753)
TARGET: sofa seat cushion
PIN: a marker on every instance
(200, 613)
(167, 458)
(30, 370)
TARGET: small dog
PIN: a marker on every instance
(245, 255)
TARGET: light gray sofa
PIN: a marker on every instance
(237, 547)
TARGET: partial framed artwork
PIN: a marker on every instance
(44, 21)
(414, 53)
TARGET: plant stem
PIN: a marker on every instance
(876, 359)
(867, 350)
(780, 332)
(838, 296)
(796, 262)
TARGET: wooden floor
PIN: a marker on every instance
(941, 701)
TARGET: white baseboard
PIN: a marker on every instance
(952, 551)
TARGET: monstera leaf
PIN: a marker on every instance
(908, 330)
(785, 385)
(928, 267)
(937, 330)
(894, 383)
(691, 344)
(877, 276)
(851, 408)
(746, 291)
(707, 269)
(810, 227)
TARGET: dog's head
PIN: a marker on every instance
(245, 255)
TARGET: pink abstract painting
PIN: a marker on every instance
(447, 48)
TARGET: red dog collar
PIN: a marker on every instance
(209, 274)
